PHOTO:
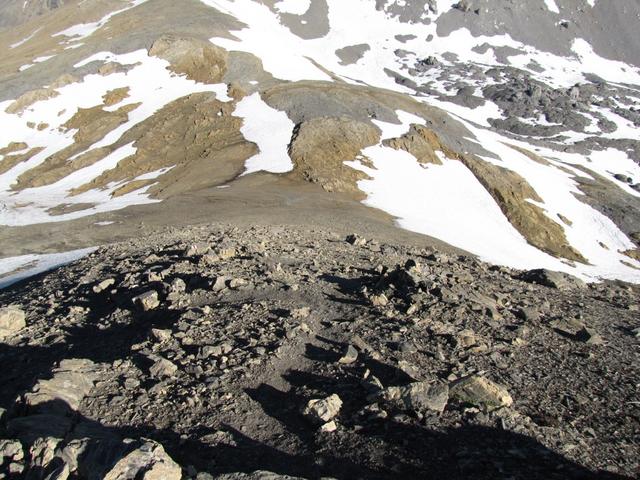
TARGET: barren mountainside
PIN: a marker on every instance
(319, 238)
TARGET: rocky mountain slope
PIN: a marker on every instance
(203, 352)
(305, 239)
(515, 144)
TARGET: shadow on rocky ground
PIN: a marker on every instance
(462, 452)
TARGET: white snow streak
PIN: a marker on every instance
(269, 129)
(15, 269)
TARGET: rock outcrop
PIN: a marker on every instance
(199, 60)
(319, 148)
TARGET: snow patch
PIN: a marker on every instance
(552, 6)
(84, 30)
(15, 269)
(270, 130)
(294, 7)
(24, 40)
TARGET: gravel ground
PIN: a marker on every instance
(216, 350)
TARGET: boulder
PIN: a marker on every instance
(148, 461)
(147, 301)
(12, 320)
(323, 410)
(481, 392)
(551, 279)
(419, 397)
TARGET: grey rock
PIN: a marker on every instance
(161, 335)
(356, 240)
(237, 283)
(576, 330)
(480, 392)
(463, 5)
(178, 286)
(567, 326)
(11, 451)
(148, 461)
(548, 278)
(419, 397)
(589, 336)
(371, 383)
(62, 394)
(147, 300)
(528, 314)
(300, 313)
(226, 253)
(257, 475)
(42, 453)
(163, 368)
(103, 285)
(349, 355)
(32, 427)
(196, 249)
(219, 284)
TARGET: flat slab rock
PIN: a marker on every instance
(481, 392)
(71, 382)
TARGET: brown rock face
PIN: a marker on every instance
(29, 98)
(115, 96)
(196, 135)
(512, 192)
(319, 148)
(420, 142)
(198, 59)
(11, 160)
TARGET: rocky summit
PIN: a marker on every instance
(319, 239)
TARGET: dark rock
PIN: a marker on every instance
(548, 278)
(419, 397)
